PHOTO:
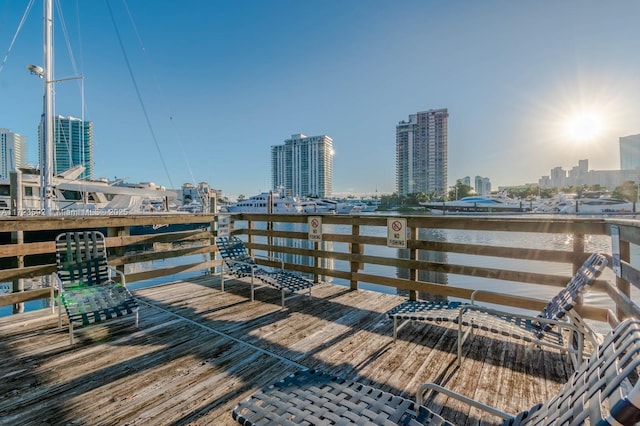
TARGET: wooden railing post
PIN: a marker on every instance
(121, 231)
(413, 255)
(356, 251)
(578, 257)
(623, 285)
(316, 261)
(17, 237)
(578, 251)
(250, 226)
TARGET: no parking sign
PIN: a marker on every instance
(397, 232)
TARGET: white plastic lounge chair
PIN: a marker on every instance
(604, 390)
(85, 285)
(240, 264)
(544, 329)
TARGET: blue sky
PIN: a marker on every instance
(222, 81)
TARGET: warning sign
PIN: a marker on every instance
(224, 226)
(397, 233)
(315, 228)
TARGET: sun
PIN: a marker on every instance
(584, 126)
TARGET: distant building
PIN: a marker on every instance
(545, 182)
(630, 152)
(303, 166)
(72, 145)
(558, 177)
(13, 152)
(580, 175)
(483, 185)
(464, 181)
(421, 153)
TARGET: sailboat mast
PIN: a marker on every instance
(46, 172)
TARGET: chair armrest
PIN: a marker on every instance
(473, 296)
(57, 279)
(559, 323)
(117, 272)
(437, 388)
(227, 262)
(464, 308)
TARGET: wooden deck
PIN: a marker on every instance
(199, 351)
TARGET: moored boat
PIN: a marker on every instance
(602, 205)
(260, 204)
(478, 204)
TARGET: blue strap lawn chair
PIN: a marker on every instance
(544, 329)
(312, 397)
(604, 390)
(84, 282)
(240, 264)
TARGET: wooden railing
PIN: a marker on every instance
(263, 234)
(28, 249)
(351, 242)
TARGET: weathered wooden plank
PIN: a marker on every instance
(199, 351)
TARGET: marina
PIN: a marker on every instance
(133, 304)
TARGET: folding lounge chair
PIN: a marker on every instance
(544, 329)
(240, 264)
(604, 390)
(85, 285)
(313, 398)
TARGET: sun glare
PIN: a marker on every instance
(584, 127)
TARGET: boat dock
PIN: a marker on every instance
(198, 351)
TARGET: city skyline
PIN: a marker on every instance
(210, 96)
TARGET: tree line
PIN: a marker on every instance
(627, 191)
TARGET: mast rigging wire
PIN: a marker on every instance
(135, 85)
(15, 36)
(158, 87)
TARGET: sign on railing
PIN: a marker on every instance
(224, 226)
(397, 232)
(315, 228)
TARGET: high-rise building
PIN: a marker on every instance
(465, 181)
(72, 145)
(303, 166)
(483, 185)
(421, 153)
(630, 152)
(13, 152)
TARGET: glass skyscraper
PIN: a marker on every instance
(72, 145)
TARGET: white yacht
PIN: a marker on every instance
(74, 196)
(602, 205)
(478, 204)
(260, 204)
